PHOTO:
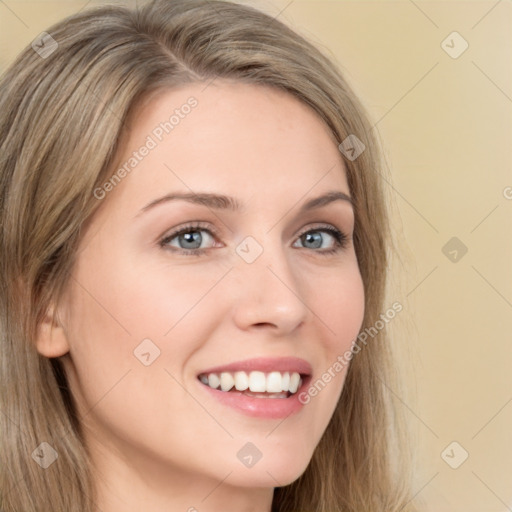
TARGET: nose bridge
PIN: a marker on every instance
(270, 290)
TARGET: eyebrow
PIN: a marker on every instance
(223, 202)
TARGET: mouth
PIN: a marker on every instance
(255, 384)
(265, 387)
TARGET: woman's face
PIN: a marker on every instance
(152, 319)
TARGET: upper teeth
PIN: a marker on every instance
(273, 382)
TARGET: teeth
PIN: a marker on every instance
(285, 381)
(294, 382)
(254, 382)
(241, 381)
(213, 380)
(274, 382)
(226, 381)
(257, 382)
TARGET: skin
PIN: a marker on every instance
(157, 439)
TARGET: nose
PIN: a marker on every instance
(269, 293)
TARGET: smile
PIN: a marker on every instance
(256, 383)
(242, 385)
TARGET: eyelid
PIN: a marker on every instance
(319, 226)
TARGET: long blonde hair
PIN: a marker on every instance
(61, 119)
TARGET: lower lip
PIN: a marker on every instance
(272, 408)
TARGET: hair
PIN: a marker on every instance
(61, 121)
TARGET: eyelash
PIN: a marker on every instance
(340, 238)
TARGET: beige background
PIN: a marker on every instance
(446, 126)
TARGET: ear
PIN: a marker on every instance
(51, 340)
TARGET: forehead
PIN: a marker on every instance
(240, 139)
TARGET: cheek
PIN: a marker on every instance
(127, 326)
(339, 312)
(101, 345)
(157, 301)
(134, 301)
(340, 308)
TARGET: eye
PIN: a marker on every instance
(189, 239)
(313, 239)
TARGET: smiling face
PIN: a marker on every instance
(152, 317)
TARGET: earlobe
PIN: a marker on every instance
(51, 338)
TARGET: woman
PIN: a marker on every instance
(194, 236)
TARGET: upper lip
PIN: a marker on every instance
(264, 364)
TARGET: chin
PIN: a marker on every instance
(272, 472)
